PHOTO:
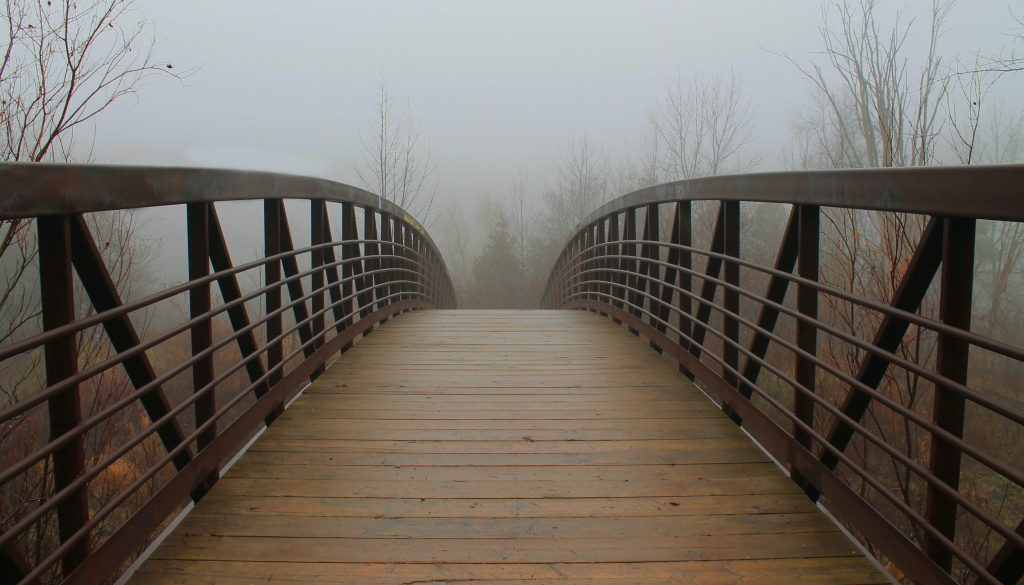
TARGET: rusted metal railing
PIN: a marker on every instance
(886, 408)
(77, 525)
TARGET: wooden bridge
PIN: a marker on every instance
(505, 446)
(670, 417)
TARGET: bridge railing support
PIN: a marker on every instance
(109, 445)
(867, 381)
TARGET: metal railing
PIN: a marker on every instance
(166, 448)
(880, 400)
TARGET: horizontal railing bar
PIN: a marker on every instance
(111, 552)
(995, 525)
(42, 395)
(961, 389)
(98, 318)
(882, 490)
(26, 462)
(994, 464)
(101, 514)
(937, 326)
(95, 470)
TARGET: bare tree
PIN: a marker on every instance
(651, 151)
(878, 111)
(395, 165)
(881, 102)
(519, 219)
(582, 186)
(454, 240)
(62, 64)
(702, 124)
(1011, 59)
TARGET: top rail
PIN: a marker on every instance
(33, 189)
(981, 192)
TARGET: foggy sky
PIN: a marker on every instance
(499, 87)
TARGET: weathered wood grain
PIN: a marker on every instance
(505, 447)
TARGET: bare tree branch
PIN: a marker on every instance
(395, 165)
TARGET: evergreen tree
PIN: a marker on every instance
(498, 273)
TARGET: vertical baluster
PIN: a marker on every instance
(652, 253)
(956, 289)
(348, 256)
(272, 276)
(586, 279)
(417, 246)
(198, 224)
(618, 293)
(410, 261)
(684, 217)
(359, 267)
(670, 276)
(601, 252)
(629, 263)
(317, 236)
(372, 250)
(731, 326)
(61, 356)
(806, 333)
(387, 235)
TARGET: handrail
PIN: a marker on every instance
(923, 190)
(930, 500)
(69, 528)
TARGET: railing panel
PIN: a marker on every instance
(141, 424)
(853, 353)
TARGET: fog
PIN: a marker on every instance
(498, 87)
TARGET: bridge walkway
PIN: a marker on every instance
(511, 447)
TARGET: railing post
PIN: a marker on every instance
(317, 237)
(387, 235)
(589, 263)
(272, 276)
(731, 326)
(410, 261)
(61, 355)
(372, 251)
(348, 256)
(809, 218)
(956, 289)
(670, 276)
(631, 264)
(198, 227)
(614, 263)
(572, 266)
(684, 237)
(601, 251)
(652, 270)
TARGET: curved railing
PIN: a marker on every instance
(100, 454)
(867, 382)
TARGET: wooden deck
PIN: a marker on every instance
(505, 447)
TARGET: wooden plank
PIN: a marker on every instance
(748, 504)
(817, 571)
(506, 447)
(499, 528)
(510, 473)
(518, 550)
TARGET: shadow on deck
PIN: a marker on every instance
(505, 446)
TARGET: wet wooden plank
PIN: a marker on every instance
(505, 447)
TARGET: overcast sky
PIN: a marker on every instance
(499, 87)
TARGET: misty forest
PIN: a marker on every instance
(501, 131)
